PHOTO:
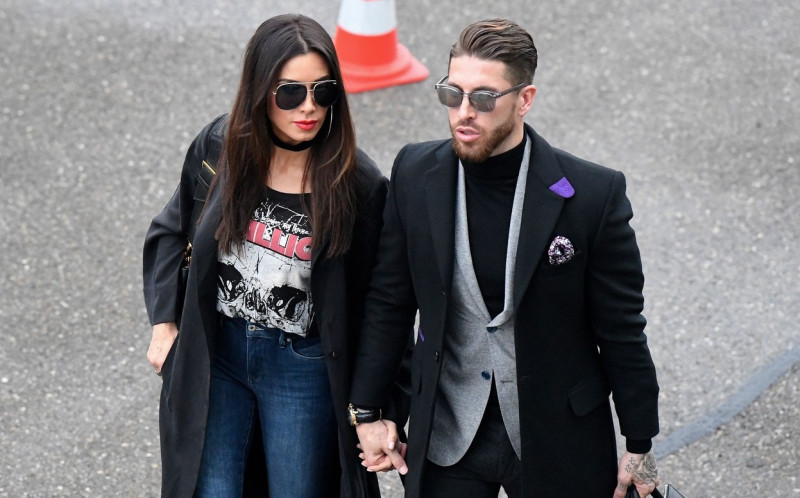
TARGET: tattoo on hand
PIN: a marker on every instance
(631, 465)
(648, 471)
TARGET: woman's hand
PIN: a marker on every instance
(164, 335)
(380, 447)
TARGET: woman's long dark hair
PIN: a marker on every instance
(247, 154)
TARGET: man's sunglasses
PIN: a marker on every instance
(291, 95)
(480, 100)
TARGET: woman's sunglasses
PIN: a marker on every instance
(291, 95)
(481, 100)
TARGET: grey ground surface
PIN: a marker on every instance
(697, 102)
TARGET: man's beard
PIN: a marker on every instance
(482, 149)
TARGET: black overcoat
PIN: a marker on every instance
(338, 286)
(579, 332)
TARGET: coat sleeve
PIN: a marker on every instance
(166, 238)
(362, 255)
(615, 301)
(390, 308)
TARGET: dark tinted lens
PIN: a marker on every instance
(449, 96)
(482, 101)
(290, 95)
(326, 94)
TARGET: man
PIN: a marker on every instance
(527, 277)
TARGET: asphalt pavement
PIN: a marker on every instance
(695, 101)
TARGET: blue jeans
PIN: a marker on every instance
(279, 380)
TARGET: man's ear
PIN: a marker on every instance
(526, 96)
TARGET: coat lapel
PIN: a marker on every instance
(204, 254)
(540, 212)
(440, 194)
(316, 253)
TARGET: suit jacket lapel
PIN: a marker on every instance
(440, 195)
(540, 212)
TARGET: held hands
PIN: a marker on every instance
(380, 448)
(639, 470)
(164, 335)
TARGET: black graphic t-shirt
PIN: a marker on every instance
(268, 281)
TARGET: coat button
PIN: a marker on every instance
(491, 330)
(333, 354)
(486, 375)
(436, 356)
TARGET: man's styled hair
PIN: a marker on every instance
(500, 40)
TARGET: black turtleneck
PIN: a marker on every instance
(490, 189)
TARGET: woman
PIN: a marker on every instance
(280, 263)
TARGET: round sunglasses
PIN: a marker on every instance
(291, 95)
(480, 100)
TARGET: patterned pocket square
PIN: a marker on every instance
(560, 251)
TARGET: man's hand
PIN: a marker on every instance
(164, 335)
(641, 470)
(380, 448)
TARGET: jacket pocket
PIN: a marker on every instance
(166, 367)
(545, 269)
(589, 394)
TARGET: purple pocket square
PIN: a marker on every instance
(563, 188)
(560, 251)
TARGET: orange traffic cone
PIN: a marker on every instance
(369, 54)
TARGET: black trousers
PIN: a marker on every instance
(490, 462)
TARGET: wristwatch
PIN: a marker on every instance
(361, 416)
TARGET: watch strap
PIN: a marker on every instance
(363, 416)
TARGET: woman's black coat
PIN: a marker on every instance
(338, 286)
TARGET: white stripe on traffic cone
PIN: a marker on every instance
(368, 50)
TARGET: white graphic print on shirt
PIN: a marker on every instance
(269, 280)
